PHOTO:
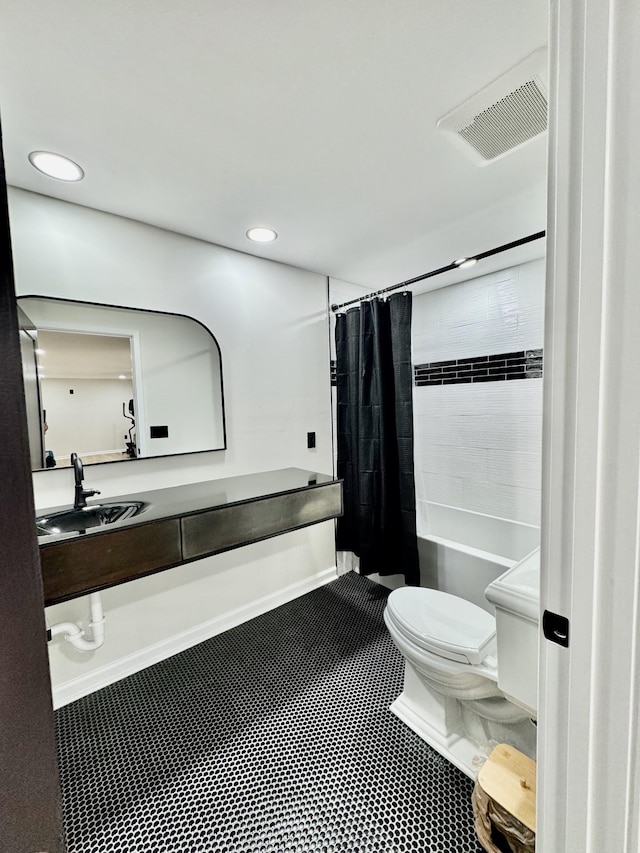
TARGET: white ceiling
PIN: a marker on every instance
(71, 355)
(316, 117)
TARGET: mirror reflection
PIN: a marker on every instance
(87, 393)
(116, 384)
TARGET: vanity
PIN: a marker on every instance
(113, 385)
(172, 526)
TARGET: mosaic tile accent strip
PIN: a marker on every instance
(524, 364)
(274, 737)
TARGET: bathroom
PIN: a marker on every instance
(261, 311)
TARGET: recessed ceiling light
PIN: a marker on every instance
(262, 235)
(462, 263)
(56, 166)
(122, 376)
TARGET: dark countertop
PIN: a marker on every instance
(180, 501)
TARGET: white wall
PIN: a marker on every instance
(271, 323)
(478, 446)
(87, 421)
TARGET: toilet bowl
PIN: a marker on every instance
(451, 696)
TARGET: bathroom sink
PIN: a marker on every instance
(79, 520)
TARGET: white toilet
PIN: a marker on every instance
(451, 696)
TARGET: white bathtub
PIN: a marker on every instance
(462, 552)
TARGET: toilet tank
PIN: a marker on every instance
(516, 598)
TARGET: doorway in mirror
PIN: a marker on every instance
(87, 388)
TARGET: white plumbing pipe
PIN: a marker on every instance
(74, 633)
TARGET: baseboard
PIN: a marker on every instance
(69, 691)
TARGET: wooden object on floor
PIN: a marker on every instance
(504, 802)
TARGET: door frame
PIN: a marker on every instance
(589, 693)
(30, 801)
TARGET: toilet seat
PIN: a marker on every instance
(442, 624)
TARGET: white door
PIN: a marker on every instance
(589, 756)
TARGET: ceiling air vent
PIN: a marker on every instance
(505, 115)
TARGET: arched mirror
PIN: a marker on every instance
(117, 384)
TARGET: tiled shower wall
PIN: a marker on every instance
(478, 439)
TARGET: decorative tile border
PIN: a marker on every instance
(525, 364)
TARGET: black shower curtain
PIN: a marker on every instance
(375, 437)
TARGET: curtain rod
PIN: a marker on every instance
(454, 265)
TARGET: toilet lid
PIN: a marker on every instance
(443, 624)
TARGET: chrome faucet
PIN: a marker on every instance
(81, 494)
